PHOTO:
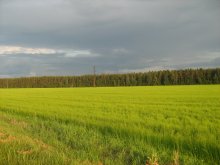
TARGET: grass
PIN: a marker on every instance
(168, 125)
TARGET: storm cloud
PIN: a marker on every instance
(68, 37)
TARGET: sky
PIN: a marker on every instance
(68, 37)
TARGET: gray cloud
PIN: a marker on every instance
(123, 35)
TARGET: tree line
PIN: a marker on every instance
(166, 77)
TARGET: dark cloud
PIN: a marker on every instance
(125, 34)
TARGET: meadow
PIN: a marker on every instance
(165, 125)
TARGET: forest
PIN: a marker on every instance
(166, 77)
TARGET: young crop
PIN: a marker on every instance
(154, 125)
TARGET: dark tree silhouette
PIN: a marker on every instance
(167, 77)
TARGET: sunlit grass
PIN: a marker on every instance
(126, 125)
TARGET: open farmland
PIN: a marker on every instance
(120, 125)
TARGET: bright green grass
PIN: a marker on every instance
(126, 125)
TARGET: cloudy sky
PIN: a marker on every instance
(68, 37)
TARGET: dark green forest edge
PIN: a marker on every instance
(167, 77)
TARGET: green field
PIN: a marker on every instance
(122, 125)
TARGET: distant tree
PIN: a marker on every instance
(174, 77)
